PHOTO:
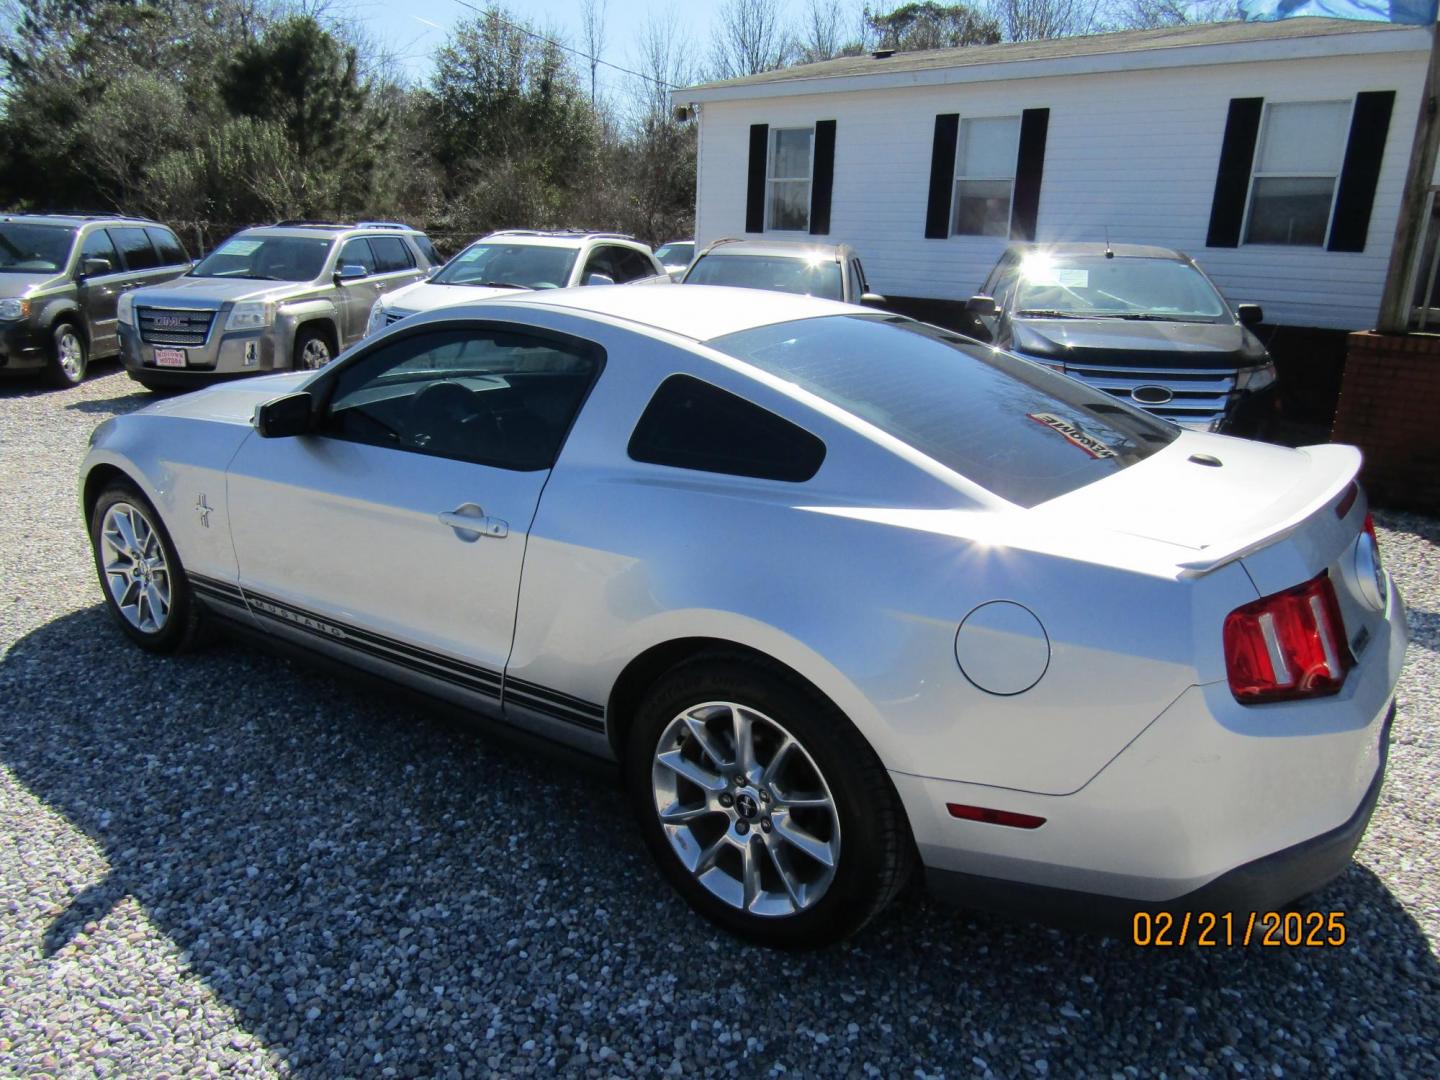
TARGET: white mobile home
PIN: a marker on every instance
(1273, 153)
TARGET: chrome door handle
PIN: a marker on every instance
(474, 524)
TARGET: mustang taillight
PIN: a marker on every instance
(1289, 645)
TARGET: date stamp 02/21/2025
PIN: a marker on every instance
(1215, 929)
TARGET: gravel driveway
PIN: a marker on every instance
(226, 862)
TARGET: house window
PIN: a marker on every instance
(1297, 162)
(787, 202)
(985, 155)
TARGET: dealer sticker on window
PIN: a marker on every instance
(239, 247)
(1073, 435)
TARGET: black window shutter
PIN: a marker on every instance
(755, 191)
(1029, 168)
(822, 178)
(1361, 172)
(1232, 181)
(942, 176)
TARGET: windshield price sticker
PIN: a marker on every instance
(1073, 435)
(239, 247)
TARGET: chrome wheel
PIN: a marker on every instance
(315, 353)
(136, 571)
(70, 354)
(745, 809)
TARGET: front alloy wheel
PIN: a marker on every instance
(745, 809)
(137, 573)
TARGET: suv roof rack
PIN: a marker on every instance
(383, 225)
(308, 223)
(559, 233)
(83, 215)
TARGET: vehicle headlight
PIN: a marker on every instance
(125, 308)
(251, 315)
(1255, 378)
(377, 318)
(10, 310)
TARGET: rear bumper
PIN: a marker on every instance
(1268, 883)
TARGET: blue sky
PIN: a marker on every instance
(415, 28)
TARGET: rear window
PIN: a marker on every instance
(690, 424)
(777, 273)
(1015, 428)
(391, 254)
(135, 246)
(171, 253)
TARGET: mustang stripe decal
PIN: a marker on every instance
(540, 699)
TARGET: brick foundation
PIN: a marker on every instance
(1390, 408)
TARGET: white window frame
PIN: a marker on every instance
(1256, 174)
(808, 179)
(958, 177)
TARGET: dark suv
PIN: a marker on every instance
(1144, 324)
(61, 276)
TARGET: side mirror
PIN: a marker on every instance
(1249, 314)
(95, 267)
(983, 306)
(872, 299)
(284, 416)
(434, 270)
(350, 272)
(598, 279)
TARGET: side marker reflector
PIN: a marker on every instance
(994, 817)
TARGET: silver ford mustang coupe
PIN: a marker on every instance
(845, 596)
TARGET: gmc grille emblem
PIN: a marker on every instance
(170, 322)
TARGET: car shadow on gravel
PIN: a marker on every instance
(113, 406)
(367, 886)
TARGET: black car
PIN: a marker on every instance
(1142, 323)
(60, 278)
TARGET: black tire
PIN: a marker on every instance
(876, 852)
(69, 355)
(184, 625)
(310, 341)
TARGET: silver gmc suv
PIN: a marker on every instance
(291, 295)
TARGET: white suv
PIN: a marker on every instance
(523, 259)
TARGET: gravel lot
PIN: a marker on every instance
(227, 862)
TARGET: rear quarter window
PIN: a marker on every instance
(690, 424)
(169, 248)
(1013, 427)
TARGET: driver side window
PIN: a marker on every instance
(488, 395)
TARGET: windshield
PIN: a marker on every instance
(1094, 286)
(34, 249)
(1011, 426)
(266, 258)
(675, 254)
(779, 273)
(519, 266)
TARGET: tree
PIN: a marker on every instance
(820, 36)
(1150, 14)
(1036, 20)
(749, 37)
(933, 26)
(592, 17)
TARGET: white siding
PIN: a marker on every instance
(1135, 152)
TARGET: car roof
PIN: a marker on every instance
(789, 249)
(76, 219)
(1099, 247)
(539, 238)
(700, 312)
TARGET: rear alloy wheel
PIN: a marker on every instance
(312, 350)
(763, 805)
(68, 359)
(144, 584)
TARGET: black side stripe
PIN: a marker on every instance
(552, 703)
(1361, 172)
(1232, 178)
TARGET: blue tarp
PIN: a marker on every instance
(1419, 12)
